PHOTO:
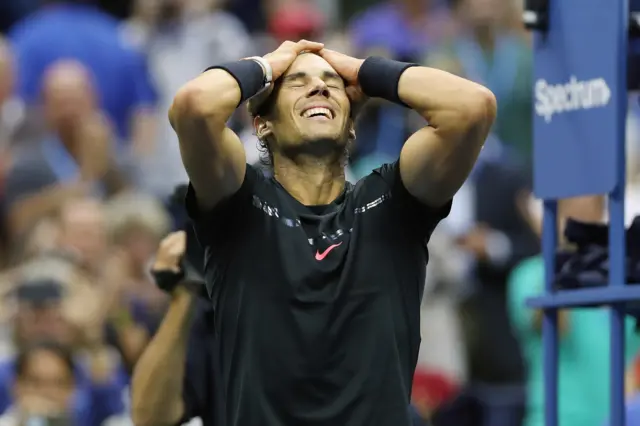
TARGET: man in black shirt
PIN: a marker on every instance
(315, 283)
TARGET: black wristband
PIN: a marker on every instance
(167, 281)
(379, 78)
(248, 74)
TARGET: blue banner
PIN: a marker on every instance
(577, 96)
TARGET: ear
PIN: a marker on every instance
(262, 127)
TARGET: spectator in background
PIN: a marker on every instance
(402, 30)
(584, 352)
(43, 315)
(82, 234)
(486, 226)
(181, 38)
(75, 29)
(296, 21)
(489, 51)
(10, 116)
(43, 388)
(72, 160)
(11, 109)
(136, 224)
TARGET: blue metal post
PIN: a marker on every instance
(550, 319)
(617, 243)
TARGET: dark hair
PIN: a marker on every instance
(62, 352)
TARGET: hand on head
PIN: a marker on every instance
(346, 66)
(282, 58)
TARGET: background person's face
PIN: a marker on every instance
(46, 385)
(310, 81)
(68, 95)
(42, 321)
(83, 232)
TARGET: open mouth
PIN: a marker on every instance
(318, 113)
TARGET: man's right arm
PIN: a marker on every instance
(212, 153)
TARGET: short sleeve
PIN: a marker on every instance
(26, 178)
(526, 280)
(197, 394)
(419, 218)
(218, 223)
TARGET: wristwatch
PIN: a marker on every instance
(266, 67)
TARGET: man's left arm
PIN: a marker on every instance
(436, 160)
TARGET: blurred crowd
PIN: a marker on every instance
(88, 163)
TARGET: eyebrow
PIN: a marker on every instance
(326, 75)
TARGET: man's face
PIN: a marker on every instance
(310, 106)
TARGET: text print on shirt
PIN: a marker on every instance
(272, 211)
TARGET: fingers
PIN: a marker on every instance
(175, 241)
(302, 45)
(311, 46)
(328, 53)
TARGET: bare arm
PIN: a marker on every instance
(156, 387)
(436, 160)
(157, 384)
(212, 154)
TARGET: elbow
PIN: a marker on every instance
(192, 102)
(482, 107)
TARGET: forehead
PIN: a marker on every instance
(310, 64)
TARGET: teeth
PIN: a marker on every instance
(315, 111)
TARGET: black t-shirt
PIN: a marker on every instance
(317, 309)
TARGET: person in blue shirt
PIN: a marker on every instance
(90, 401)
(75, 29)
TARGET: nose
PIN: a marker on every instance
(318, 88)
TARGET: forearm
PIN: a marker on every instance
(435, 160)
(450, 104)
(213, 95)
(156, 389)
